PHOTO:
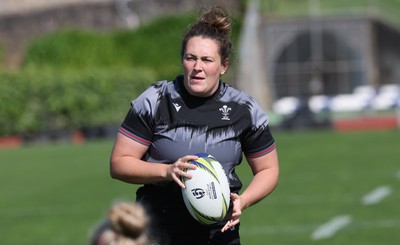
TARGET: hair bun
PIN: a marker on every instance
(214, 23)
(218, 18)
(128, 219)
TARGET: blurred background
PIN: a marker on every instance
(325, 71)
(310, 63)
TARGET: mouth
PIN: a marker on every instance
(196, 78)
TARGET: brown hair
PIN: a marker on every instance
(214, 24)
(126, 224)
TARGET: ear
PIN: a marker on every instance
(225, 66)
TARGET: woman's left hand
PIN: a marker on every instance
(236, 212)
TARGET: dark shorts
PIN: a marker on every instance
(172, 224)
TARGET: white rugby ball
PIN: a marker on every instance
(207, 193)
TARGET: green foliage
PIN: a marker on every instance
(35, 100)
(70, 49)
(73, 79)
(14, 99)
(155, 46)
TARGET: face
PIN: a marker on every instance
(202, 66)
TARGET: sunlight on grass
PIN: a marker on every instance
(55, 194)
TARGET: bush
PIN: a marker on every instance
(155, 46)
(36, 100)
(75, 79)
(14, 100)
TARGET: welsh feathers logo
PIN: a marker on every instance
(225, 112)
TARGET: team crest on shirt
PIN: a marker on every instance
(225, 112)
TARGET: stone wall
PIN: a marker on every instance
(17, 28)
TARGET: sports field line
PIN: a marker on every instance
(376, 195)
(330, 228)
(309, 228)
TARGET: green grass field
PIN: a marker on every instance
(54, 194)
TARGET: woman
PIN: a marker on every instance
(197, 112)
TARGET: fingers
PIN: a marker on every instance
(182, 164)
(237, 205)
(185, 161)
(178, 169)
(230, 225)
(236, 213)
(179, 182)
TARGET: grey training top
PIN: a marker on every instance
(174, 123)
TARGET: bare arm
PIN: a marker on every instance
(266, 174)
(126, 164)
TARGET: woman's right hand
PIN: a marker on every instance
(176, 170)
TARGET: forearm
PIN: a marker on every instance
(136, 171)
(262, 184)
(126, 163)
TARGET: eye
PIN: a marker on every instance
(190, 58)
(207, 60)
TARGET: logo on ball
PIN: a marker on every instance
(198, 193)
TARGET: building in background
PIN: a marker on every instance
(330, 56)
(328, 67)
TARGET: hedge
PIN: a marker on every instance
(76, 79)
(155, 45)
(34, 101)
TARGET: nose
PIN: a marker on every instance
(196, 65)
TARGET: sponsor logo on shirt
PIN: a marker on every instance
(177, 106)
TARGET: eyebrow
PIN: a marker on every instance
(201, 57)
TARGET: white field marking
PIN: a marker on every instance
(376, 195)
(398, 175)
(372, 225)
(329, 229)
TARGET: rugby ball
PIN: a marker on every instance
(207, 193)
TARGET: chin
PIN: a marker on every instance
(193, 89)
(197, 93)
(196, 89)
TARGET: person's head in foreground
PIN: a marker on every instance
(126, 224)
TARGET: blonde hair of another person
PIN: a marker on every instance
(126, 224)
